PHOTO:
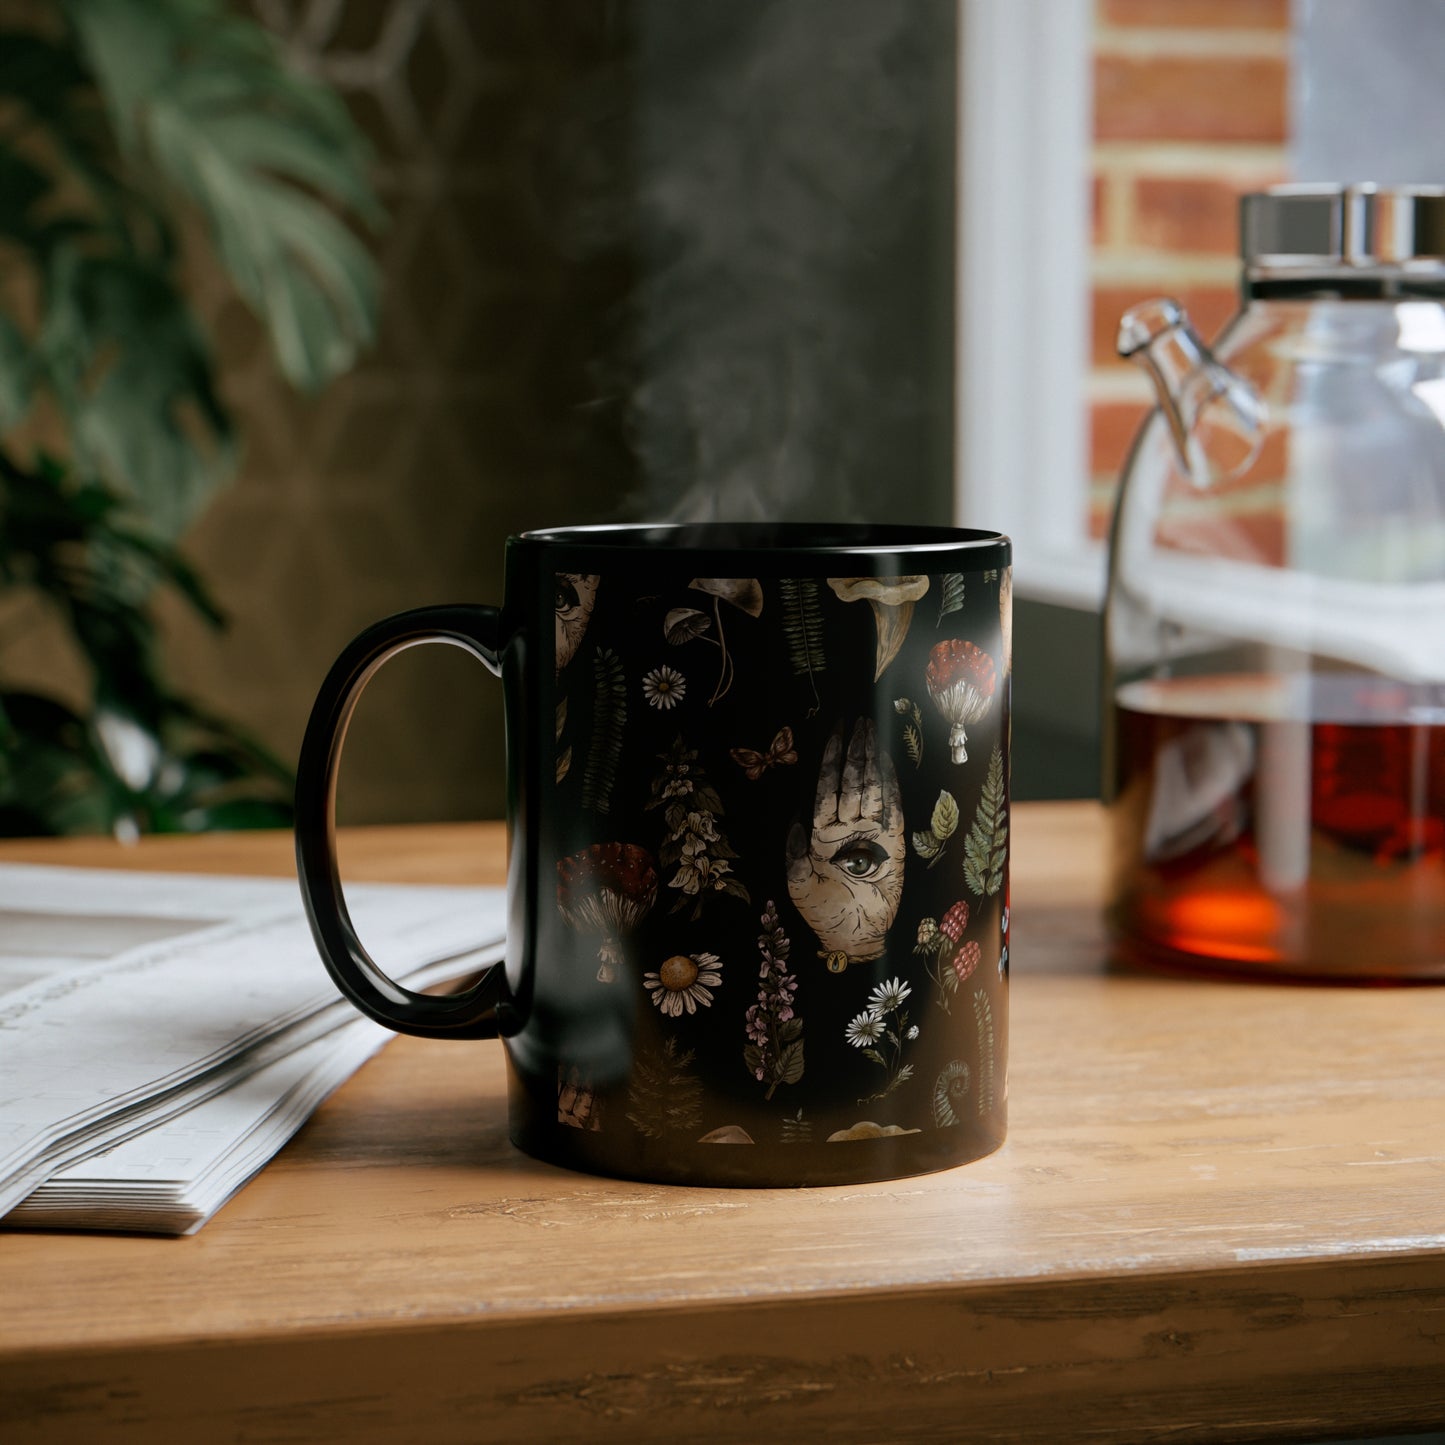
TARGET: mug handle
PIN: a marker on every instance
(471, 1014)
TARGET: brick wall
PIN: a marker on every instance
(1190, 111)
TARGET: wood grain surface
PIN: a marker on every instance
(1220, 1214)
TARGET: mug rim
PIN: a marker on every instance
(773, 539)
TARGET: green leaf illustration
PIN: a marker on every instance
(790, 1063)
(951, 591)
(986, 847)
(927, 846)
(945, 817)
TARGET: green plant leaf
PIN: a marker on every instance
(945, 817)
(133, 375)
(16, 374)
(951, 594)
(264, 152)
(22, 185)
(926, 845)
(38, 72)
(790, 1063)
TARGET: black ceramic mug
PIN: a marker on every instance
(758, 868)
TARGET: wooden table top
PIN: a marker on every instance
(1220, 1213)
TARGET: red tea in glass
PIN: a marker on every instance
(1281, 825)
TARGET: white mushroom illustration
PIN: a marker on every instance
(609, 889)
(961, 683)
(745, 593)
(892, 600)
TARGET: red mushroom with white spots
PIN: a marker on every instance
(609, 889)
(961, 682)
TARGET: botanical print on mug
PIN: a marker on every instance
(741, 738)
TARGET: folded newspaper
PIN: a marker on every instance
(162, 1035)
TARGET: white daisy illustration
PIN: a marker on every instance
(889, 996)
(866, 1029)
(912, 1032)
(664, 687)
(683, 982)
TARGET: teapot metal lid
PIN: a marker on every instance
(1342, 230)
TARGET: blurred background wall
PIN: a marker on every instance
(645, 258)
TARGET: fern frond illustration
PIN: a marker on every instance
(987, 1091)
(913, 744)
(912, 729)
(665, 1096)
(950, 1090)
(986, 847)
(797, 1130)
(952, 594)
(609, 720)
(803, 630)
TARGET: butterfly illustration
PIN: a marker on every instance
(780, 751)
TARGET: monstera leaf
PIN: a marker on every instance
(147, 419)
(203, 98)
(152, 108)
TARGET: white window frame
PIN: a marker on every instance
(1025, 123)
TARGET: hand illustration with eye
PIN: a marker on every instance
(845, 874)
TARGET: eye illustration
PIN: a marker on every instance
(575, 594)
(859, 858)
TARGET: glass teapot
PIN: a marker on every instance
(1275, 623)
